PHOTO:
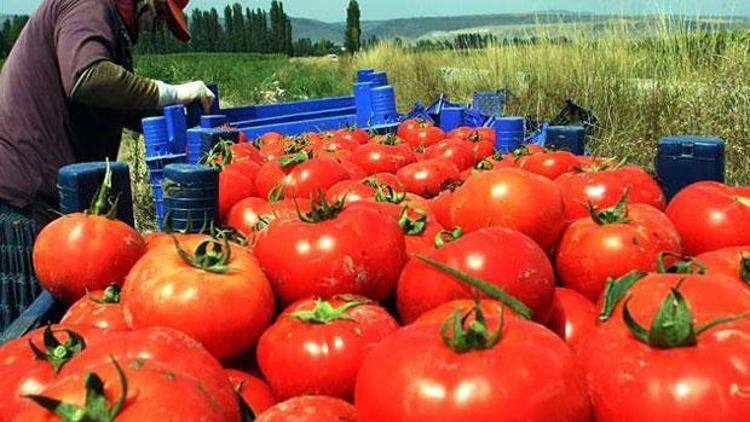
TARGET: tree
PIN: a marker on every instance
(352, 38)
(238, 23)
(3, 44)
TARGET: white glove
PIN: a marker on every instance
(185, 94)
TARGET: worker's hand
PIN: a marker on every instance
(186, 94)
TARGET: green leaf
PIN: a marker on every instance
(636, 329)
(615, 290)
(490, 290)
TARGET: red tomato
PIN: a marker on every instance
(164, 346)
(271, 175)
(675, 370)
(357, 134)
(256, 393)
(410, 126)
(482, 150)
(511, 198)
(245, 215)
(425, 178)
(310, 409)
(420, 231)
(573, 316)
(378, 158)
(424, 137)
(456, 151)
(732, 262)
(313, 176)
(24, 373)
(604, 188)
(317, 347)
(490, 308)
(100, 309)
(415, 375)
(498, 256)
(710, 216)
(549, 164)
(154, 392)
(461, 132)
(350, 191)
(164, 289)
(236, 182)
(337, 143)
(441, 206)
(611, 244)
(245, 152)
(338, 253)
(87, 242)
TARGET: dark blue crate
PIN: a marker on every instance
(489, 103)
(683, 160)
(201, 141)
(78, 183)
(192, 176)
(451, 118)
(566, 138)
(42, 311)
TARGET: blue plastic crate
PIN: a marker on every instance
(490, 103)
(191, 194)
(568, 138)
(78, 183)
(683, 160)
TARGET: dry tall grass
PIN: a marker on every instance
(641, 87)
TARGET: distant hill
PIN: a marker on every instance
(501, 25)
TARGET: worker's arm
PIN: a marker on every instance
(107, 85)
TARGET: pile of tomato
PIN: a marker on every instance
(416, 276)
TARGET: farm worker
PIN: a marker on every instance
(67, 90)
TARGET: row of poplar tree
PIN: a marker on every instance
(9, 31)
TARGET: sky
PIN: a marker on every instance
(335, 10)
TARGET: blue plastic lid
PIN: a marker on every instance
(509, 124)
(73, 175)
(697, 146)
(191, 175)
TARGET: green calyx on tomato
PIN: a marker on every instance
(615, 215)
(219, 156)
(680, 266)
(325, 313)
(490, 290)
(230, 233)
(745, 268)
(673, 325)
(391, 139)
(111, 295)
(474, 337)
(483, 165)
(96, 409)
(412, 227)
(320, 209)
(56, 353)
(615, 290)
(604, 165)
(211, 255)
(447, 236)
(386, 193)
(277, 193)
(520, 152)
(297, 145)
(296, 158)
(103, 204)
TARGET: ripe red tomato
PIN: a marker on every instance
(378, 158)
(270, 176)
(310, 409)
(312, 176)
(732, 262)
(317, 347)
(425, 136)
(501, 257)
(167, 289)
(245, 152)
(256, 393)
(441, 206)
(611, 244)
(573, 316)
(164, 346)
(549, 164)
(604, 188)
(87, 242)
(100, 309)
(490, 308)
(710, 216)
(150, 390)
(26, 373)
(357, 134)
(410, 126)
(425, 178)
(337, 252)
(245, 215)
(350, 191)
(236, 182)
(420, 231)
(511, 198)
(336, 143)
(456, 151)
(461, 132)
(667, 365)
(416, 375)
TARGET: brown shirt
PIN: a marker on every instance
(41, 128)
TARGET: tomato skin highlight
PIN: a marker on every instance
(528, 276)
(310, 409)
(549, 164)
(342, 255)
(442, 385)
(164, 290)
(301, 358)
(573, 316)
(590, 253)
(425, 178)
(510, 198)
(86, 241)
(711, 216)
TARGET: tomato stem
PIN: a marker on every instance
(111, 295)
(320, 210)
(489, 289)
(410, 226)
(447, 236)
(55, 353)
(102, 203)
(680, 266)
(325, 313)
(476, 336)
(212, 254)
(616, 215)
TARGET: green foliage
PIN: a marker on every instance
(353, 36)
(9, 32)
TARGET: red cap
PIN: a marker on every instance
(176, 21)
